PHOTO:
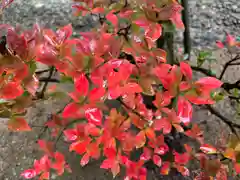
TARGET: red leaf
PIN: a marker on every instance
(208, 149)
(150, 134)
(81, 85)
(107, 164)
(32, 85)
(183, 170)
(94, 116)
(64, 33)
(237, 168)
(157, 160)
(131, 88)
(47, 147)
(59, 163)
(230, 40)
(29, 174)
(161, 150)
(219, 44)
(184, 110)
(72, 110)
(84, 160)
(71, 134)
(18, 124)
(186, 70)
(115, 169)
(140, 139)
(80, 146)
(153, 32)
(142, 23)
(165, 168)
(16, 43)
(163, 124)
(146, 155)
(11, 90)
(181, 158)
(112, 18)
(46, 55)
(96, 94)
(209, 83)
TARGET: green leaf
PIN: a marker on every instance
(2, 101)
(168, 27)
(57, 95)
(235, 92)
(135, 28)
(116, 6)
(217, 96)
(32, 66)
(66, 79)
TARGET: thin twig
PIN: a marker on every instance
(230, 124)
(133, 110)
(237, 57)
(46, 83)
(64, 128)
(202, 70)
(46, 79)
(42, 71)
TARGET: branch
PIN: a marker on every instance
(229, 63)
(133, 110)
(230, 124)
(46, 83)
(46, 79)
(42, 71)
(229, 86)
(204, 71)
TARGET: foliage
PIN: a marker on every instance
(116, 61)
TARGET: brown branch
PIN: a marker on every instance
(204, 71)
(46, 79)
(230, 124)
(42, 71)
(41, 95)
(229, 86)
(229, 63)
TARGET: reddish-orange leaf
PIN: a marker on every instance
(165, 168)
(94, 116)
(186, 70)
(153, 32)
(150, 134)
(18, 124)
(209, 83)
(11, 90)
(81, 84)
(29, 173)
(47, 147)
(219, 44)
(230, 154)
(140, 139)
(181, 158)
(208, 149)
(184, 110)
(163, 124)
(85, 159)
(157, 160)
(71, 134)
(112, 18)
(237, 168)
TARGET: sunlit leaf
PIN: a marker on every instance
(18, 124)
